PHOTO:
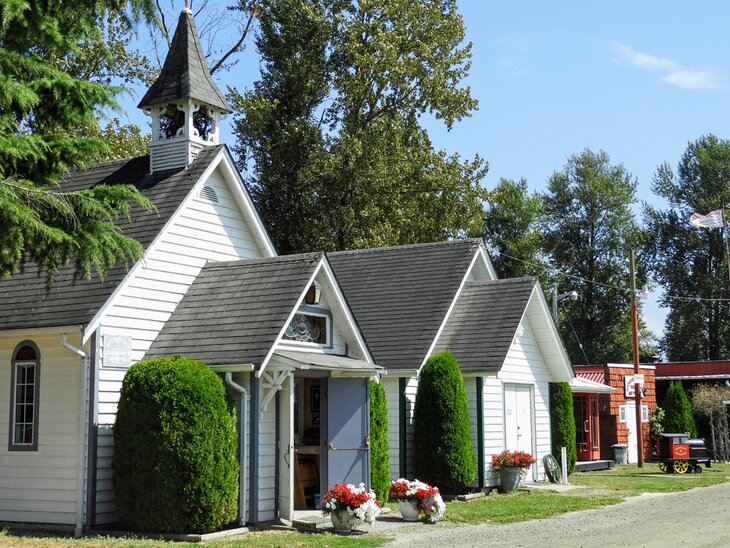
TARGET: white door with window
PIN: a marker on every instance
(518, 426)
(632, 456)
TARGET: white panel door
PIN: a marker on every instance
(632, 456)
(286, 449)
(518, 426)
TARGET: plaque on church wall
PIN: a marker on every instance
(117, 351)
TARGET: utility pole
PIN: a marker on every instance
(635, 345)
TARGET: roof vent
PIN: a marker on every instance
(208, 193)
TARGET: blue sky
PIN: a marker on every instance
(638, 80)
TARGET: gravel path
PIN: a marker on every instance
(699, 517)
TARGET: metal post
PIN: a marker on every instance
(635, 347)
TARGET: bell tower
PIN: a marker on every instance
(185, 104)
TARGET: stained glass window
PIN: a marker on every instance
(307, 328)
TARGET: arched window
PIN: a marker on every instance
(25, 383)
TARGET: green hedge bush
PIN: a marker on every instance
(175, 449)
(678, 411)
(562, 423)
(379, 459)
(443, 453)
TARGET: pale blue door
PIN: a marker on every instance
(348, 431)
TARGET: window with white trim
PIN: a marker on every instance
(622, 413)
(25, 377)
(644, 413)
(307, 328)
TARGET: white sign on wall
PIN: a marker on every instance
(117, 351)
(629, 382)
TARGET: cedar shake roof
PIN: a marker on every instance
(480, 329)
(185, 73)
(24, 302)
(235, 310)
(400, 295)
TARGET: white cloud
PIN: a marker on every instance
(673, 72)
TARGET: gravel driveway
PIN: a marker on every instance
(699, 517)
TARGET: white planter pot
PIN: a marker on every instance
(409, 510)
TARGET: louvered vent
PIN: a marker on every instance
(208, 193)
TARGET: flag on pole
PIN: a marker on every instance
(712, 220)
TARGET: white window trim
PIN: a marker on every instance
(329, 328)
(15, 364)
(622, 413)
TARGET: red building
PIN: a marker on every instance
(617, 410)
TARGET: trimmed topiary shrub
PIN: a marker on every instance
(678, 411)
(562, 422)
(175, 448)
(379, 459)
(442, 448)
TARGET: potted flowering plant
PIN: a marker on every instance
(350, 506)
(511, 465)
(416, 497)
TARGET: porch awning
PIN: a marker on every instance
(580, 385)
(329, 361)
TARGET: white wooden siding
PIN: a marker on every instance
(202, 231)
(524, 365)
(390, 384)
(471, 398)
(267, 463)
(42, 486)
(493, 424)
(411, 389)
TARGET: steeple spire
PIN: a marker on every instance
(184, 101)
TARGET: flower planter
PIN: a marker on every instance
(409, 510)
(341, 521)
(509, 478)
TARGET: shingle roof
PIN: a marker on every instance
(24, 302)
(400, 295)
(185, 73)
(482, 325)
(234, 311)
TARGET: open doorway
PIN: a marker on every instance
(308, 397)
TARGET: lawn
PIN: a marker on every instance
(628, 480)
(600, 489)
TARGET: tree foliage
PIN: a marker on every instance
(331, 134)
(590, 229)
(379, 458)
(512, 232)
(708, 400)
(690, 263)
(442, 452)
(678, 411)
(562, 423)
(44, 111)
(175, 448)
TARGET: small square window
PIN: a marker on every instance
(622, 413)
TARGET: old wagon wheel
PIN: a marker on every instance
(662, 466)
(681, 466)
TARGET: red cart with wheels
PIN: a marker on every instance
(680, 454)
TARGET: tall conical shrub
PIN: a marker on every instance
(175, 458)
(562, 422)
(443, 453)
(678, 411)
(379, 459)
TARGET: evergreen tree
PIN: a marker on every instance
(379, 458)
(43, 110)
(691, 262)
(562, 423)
(678, 411)
(332, 135)
(442, 451)
(590, 230)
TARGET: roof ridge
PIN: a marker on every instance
(299, 257)
(470, 241)
(118, 161)
(505, 281)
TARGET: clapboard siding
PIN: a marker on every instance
(493, 402)
(524, 365)
(471, 398)
(411, 389)
(267, 467)
(202, 231)
(390, 385)
(42, 486)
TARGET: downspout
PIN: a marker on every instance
(79, 529)
(244, 399)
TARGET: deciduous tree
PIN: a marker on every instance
(690, 263)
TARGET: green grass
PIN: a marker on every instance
(262, 539)
(628, 480)
(522, 506)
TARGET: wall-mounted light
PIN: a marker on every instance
(314, 293)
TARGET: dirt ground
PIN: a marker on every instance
(699, 517)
